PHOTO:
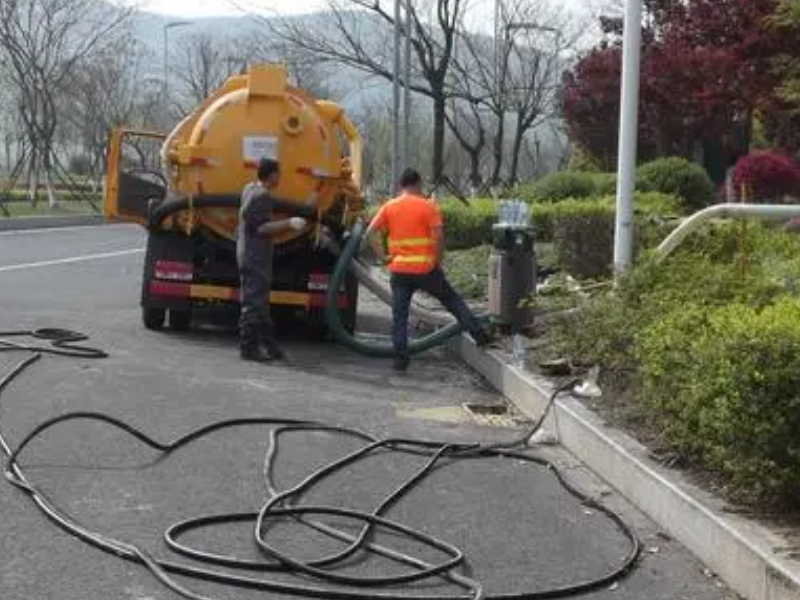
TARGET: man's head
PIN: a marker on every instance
(269, 172)
(411, 181)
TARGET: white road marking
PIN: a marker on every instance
(18, 232)
(71, 259)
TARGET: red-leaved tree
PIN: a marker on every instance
(768, 175)
(706, 67)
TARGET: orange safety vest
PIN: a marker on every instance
(409, 221)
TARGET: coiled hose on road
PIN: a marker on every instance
(285, 503)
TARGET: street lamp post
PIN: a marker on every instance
(396, 99)
(407, 88)
(167, 27)
(628, 129)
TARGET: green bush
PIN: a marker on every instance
(582, 229)
(679, 177)
(559, 186)
(709, 341)
(468, 270)
(722, 386)
(605, 184)
(583, 237)
(468, 226)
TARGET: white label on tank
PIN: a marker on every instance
(256, 147)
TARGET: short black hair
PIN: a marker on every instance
(410, 178)
(266, 167)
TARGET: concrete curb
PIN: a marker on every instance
(738, 550)
(21, 223)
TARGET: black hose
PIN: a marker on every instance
(333, 317)
(282, 504)
(169, 207)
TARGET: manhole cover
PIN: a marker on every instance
(497, 415)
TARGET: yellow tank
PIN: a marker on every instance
(188, 196)
(213, 152)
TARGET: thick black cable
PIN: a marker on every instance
(280, 505)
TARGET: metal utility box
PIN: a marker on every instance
(512, 276)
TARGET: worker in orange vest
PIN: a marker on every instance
(413, 224)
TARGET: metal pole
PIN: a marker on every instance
(167, 27)
(495, 66)
(166, 67)
(407, 90)
(396, 98)
(628, 129)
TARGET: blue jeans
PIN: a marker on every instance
(434, 283)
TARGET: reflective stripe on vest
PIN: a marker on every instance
(413, 259)
(406, 242)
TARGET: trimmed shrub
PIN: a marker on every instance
(722, 385)
(468, 226)
(559, 186)
(770, 175)
(679, 177)
(710, 345)
(605, 183)
(582, 229)
(583, 237)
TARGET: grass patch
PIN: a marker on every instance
(25, 209)
(468, 271)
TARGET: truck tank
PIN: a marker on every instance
(187, 196)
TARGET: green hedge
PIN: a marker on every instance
(722, 385)
(582, 229)
(679, 177)
(707, 345)
(558, 186)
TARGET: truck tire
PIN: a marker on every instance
(180, 320)
(153, 318)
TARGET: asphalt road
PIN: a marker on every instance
(519, 529)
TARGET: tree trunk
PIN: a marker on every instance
(33, 179)
(439, 107)
(519, 136)
(499, 141)
(52, 200)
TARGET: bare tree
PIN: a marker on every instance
(516, 76)
(203, 63)
(106, 92)
(357, 34)
(42, 43)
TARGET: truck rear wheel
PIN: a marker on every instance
(153, 318)
(180, 320)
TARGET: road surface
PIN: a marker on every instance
(519, 529)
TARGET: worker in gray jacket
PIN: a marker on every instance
(254, 251)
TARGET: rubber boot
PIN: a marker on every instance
(248, 346)
(400, 363)
(271, 344)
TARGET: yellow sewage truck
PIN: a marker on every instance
(189, 200)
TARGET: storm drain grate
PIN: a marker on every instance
(490, 414)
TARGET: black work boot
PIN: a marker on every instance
(273, 350)
(249, 348)
(254, 353)
(481, 337)
(400, 363)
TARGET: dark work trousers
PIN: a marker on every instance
(434, 283)
(255, 321)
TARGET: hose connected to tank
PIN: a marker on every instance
(334, 319)
(280, 504)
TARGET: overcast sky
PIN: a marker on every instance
(207, 8)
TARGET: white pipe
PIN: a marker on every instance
(628, 129)
(720, 211)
